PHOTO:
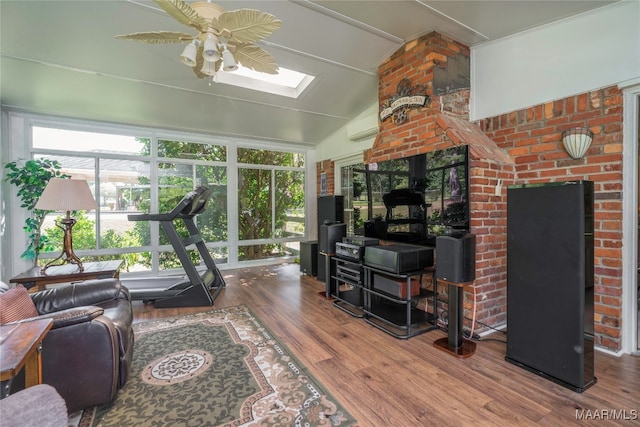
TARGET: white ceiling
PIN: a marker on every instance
(61, 58)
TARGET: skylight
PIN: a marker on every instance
(286, 83)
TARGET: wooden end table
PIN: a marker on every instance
(34, 280)
(21, 346)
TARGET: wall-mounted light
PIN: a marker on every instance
(577, 141)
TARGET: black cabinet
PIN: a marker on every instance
(550, 279)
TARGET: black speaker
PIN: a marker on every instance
(456, 258)
(550, 281)
(330, 209)
(309, 257)
(330, 234)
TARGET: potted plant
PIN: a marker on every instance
(31, 178)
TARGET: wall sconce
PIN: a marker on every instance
(577, 141)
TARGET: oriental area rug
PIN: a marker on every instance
(219, 368)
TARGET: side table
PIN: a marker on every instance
(34, 280)
(21, 346)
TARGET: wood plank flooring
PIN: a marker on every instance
(384, 381)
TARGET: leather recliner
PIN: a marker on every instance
(87, 353)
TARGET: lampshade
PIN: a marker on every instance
(229, 63)
(577, 141)
(210, 52)
(188, 56)
(208, 68)
(66, 195)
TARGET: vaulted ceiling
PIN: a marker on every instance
(62, 58)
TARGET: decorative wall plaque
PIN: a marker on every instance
(406, 97)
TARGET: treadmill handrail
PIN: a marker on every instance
(193, 203)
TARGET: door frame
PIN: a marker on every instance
(631, 117)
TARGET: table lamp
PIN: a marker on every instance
(66, 195)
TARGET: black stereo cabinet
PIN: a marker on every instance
(550, 281)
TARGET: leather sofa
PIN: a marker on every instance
(87, 353)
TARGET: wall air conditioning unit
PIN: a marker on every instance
(363, 128)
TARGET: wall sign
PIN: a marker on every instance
(406, 97)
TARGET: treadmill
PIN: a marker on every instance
(201, 289)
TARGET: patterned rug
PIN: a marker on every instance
(219, 368)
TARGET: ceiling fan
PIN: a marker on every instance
(224, 38)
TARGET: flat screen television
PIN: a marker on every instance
(417, 198)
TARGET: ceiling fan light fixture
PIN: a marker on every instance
(216, 27)
(228, 61)
(208, 68)
(210, 52)
(188, 55)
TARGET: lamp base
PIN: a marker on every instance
(67, 256)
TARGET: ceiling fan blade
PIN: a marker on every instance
(247, 25)
(158, 37)
(255, 58)
(183, 13)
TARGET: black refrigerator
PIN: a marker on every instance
(550, 279)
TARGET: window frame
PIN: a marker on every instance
(21, 147)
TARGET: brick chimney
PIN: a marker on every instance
(439, 68)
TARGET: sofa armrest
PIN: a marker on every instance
(72, 316)
(89, 292)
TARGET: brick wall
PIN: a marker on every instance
(327, 167)
(532, 137)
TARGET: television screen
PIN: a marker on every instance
(417, 198)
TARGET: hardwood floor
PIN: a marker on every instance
(384, 381)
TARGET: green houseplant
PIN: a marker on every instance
(31, 178)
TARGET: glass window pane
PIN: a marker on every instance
(352, 191)
(124, 190)
(254, 204)
(175, 180)
(269, 157)
(289, 204)
(191, 150)
(92, 142)
(212, 222)
(265, 251)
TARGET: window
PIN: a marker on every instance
(270, 203)
(140, 172)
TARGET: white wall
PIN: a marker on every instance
(338, 145)
(585, 52)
